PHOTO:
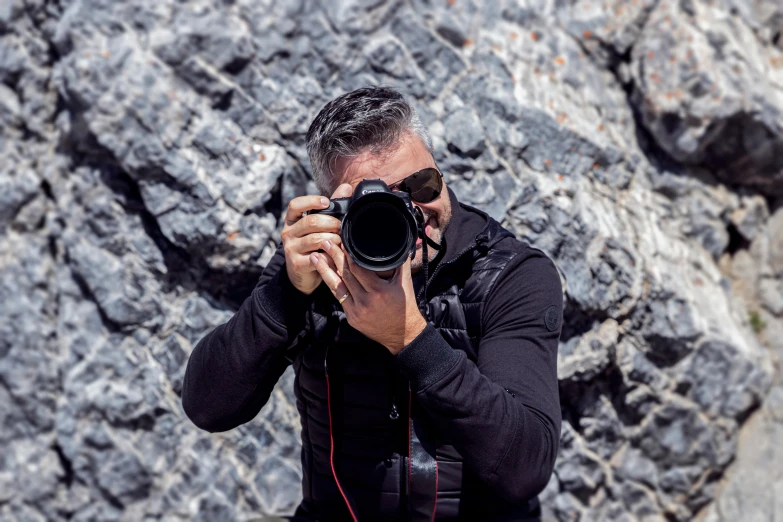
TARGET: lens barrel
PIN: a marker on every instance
(379, 230)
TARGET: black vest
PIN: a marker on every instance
(360, 415)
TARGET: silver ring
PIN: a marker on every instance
(343, 298)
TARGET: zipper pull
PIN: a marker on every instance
(394, 415)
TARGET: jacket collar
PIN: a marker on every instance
(469, 227)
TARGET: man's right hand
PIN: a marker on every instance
(303, 234)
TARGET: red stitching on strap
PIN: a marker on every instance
(331, 449)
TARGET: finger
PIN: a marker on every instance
(313, 223)
(298, 206)
(329, 276)
(400, 274)
(313, 242)
(405, 272)
(406, 277)
(364, 277)
(343, 191)
(338, 255)
(329, 261)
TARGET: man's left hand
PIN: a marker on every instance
(384, 310)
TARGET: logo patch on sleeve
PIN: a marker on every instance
(551, 318)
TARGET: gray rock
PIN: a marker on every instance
(149, 148)
(126, 296)
(486, 191)
(609, 29)
(464, 133)
(722, 381)
(567, 507)
(578, 470)
(709, 101)
(683, 438)
(439, 62)
(775, 232)
(749, 218)
(17, 189)
(702, 220)
(632, 465)
(122, 476)
(586, 357)
(771, 295)
(640, 502)
(669, 328)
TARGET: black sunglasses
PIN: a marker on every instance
(423, 186)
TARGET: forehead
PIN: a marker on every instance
(391, 165)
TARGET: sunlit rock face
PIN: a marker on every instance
(148, 148)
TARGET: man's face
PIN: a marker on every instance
(391, 166)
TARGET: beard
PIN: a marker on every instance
(438, 224)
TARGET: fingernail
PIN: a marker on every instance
(325, 202)
(314, 259)
(328, 244)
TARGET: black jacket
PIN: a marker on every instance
(485, 392)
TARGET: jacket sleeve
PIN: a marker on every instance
(234, 368)
(503, 412)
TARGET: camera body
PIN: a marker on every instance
(378, 227)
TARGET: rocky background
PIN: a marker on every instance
(146, 151)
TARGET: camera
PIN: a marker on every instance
(378, 227)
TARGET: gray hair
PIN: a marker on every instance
(370, 118)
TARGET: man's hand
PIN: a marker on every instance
(303, 235)
(384, 310)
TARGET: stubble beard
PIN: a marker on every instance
(436, 235)
(418, 261)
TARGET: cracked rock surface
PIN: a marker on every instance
(148, 148)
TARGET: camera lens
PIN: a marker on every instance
(379, 231)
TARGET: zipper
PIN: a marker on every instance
(391, 384)
(404, 475)
(408, 459)
(441, 265)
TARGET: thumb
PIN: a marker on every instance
(343, 191)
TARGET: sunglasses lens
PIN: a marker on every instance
(423, 186)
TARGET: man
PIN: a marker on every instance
(441, 406)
